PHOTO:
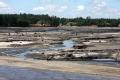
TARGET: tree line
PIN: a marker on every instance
(25, 20)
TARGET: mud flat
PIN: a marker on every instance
(15, 73)
(75, 51)
(105, 40)
(15, 68)
(8, 44)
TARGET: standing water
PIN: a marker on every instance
(65, 44)
(68, 43)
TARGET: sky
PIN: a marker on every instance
(63, 8)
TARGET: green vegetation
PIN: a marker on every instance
(25, 20)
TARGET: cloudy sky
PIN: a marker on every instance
(64, 8)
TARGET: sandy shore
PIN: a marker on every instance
(60, 66)
(7, 44)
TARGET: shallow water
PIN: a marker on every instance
(22, 52)
(66, 44)
(104, 62)
(14, 73)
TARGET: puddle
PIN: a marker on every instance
(66, 44)
(22, 52)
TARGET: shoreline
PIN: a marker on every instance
(64, 67)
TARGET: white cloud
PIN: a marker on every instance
(101, 8)
(5, 8)
(38, 9)
(3, 5)
(46, 1)
(49, 9)
(80, 8)
(55, 8)
(7, 11)
(62, 8)
(99, 4)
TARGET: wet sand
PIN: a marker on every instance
(60, 66)
(13, 68)
(15, 73)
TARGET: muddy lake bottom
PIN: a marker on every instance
(55, 39)
(13, 73)
(21, 52)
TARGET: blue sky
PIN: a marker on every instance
(64, 8)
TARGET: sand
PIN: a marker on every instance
(7, 44)
(60, 66)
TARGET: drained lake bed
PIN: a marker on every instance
(49, 47)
